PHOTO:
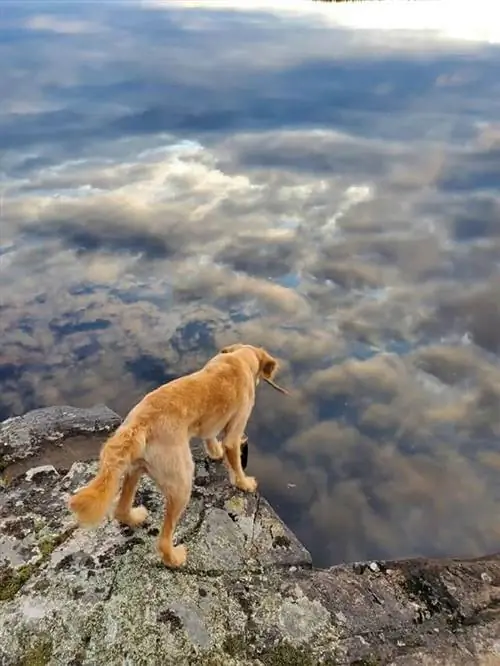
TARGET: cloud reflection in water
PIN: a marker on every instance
(174, 180)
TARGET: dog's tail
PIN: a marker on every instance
(90, 504)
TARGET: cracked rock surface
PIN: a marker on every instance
(248, 594)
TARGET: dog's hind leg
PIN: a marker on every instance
(176, 503)
(125, 513)
(173, 472)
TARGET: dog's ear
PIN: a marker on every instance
(268, 365)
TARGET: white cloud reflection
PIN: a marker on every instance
(179, 179)
(440, 19)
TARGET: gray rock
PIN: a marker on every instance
(25, 436)
(248, 594)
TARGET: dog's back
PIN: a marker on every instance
(202, 402)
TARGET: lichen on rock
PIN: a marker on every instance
(248, 594)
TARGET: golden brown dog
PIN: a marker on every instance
(155, 436)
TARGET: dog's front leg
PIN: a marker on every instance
(213, 448)
(232, 459)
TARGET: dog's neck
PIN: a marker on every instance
(251, 358)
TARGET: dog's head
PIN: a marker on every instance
(268, 366)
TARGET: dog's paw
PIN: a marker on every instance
(135, 517)
(138, 515)
(214, 450)
(248, 484)
(176, 557)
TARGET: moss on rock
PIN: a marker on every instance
(39, 652)
(234, 645)
(246, 597)
(286, 654)
(12, 580)
(48, 544)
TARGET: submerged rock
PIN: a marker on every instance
(26, 436)
(247, 595)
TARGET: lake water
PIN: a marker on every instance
(179, 176)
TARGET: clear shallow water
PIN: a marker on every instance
(177, 179)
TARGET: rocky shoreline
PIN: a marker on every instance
(248, 595)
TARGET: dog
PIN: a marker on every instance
(155, 439)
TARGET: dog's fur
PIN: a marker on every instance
(155, 436)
